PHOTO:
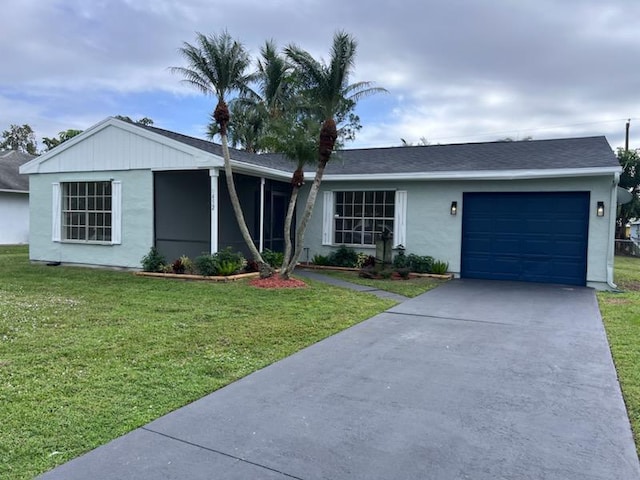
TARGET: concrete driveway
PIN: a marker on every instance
(473, 380)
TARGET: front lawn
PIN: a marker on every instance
(621, 315)
(87, 355)
(409, 288)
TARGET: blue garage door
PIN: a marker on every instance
(531, 237)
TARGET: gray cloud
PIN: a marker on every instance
(457, 70)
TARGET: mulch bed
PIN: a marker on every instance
(277, 282)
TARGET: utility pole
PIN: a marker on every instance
(626, 136)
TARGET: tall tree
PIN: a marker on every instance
(629, 180)
(217, 65)
(255, 109)
(62, 137)
(141, 121)
(21, 138)
(246, 130)
(327, 87)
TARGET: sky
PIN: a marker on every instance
(456, 71)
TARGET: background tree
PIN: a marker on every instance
(217, 65)
(20, 138)
(510, 139)
(62, 137)
(423, 142)
(143, 121)
(332, 99)
(629, 180)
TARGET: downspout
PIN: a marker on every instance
(262, 182)
(612, 230)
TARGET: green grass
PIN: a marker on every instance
(621, 315)
(87, 355)
(409, 288)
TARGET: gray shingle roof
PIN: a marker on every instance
(565, 153)
(10, 178)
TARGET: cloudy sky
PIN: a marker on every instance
(456, 70)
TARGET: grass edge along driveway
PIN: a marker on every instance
(87, 355)
(621, 317)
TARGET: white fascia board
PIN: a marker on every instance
(477, 175)
(257, 170)
(199, 156)
(6, 190)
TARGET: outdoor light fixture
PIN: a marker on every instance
(454, 208)
(600, 209)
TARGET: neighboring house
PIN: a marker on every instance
(541, 211)
(14, 198)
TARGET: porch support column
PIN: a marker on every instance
(262, 182)
(213, 174)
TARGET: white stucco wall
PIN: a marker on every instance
(137, 221)
(14, 218)
(431, 230)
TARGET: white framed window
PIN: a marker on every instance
(356, 217)
(359, 216)
(87, 212)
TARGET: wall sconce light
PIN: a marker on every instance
(600, 209)
(454, 208)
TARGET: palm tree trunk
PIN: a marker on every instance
(328, 136)
(265, 269)
(302, 227)
(287, 232)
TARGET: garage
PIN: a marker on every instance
(531, 237)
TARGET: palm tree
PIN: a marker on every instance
(327, 87)
(217, 65)
(254, 110)
(246, 130)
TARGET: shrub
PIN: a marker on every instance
(225, 262)
(365, 260)
(274, 259)
(228, 255)
(439, 267)
(188, 265)
(153, 261)
(403, 272)
(400, 260)
(343, 257)
(206, 264)
(177, 266)
(420, 263)
(320, 260)
(228, 267)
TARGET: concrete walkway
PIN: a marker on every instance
(473, 380)
(318, 276)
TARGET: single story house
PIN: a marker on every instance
(14, 198)
(540, 211)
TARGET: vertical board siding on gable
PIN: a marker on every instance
(117, 149)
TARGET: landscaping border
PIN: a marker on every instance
(201, 278)
(447, 276)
